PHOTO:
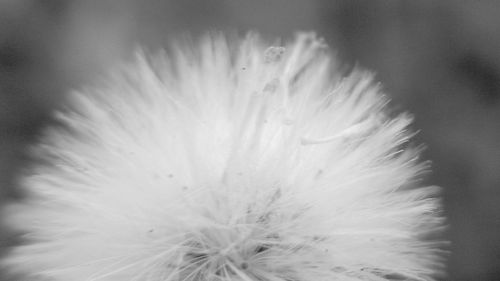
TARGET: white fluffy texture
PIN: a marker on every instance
(228, 160)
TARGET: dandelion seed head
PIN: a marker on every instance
(228, 160)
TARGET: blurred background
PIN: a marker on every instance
(437, 59)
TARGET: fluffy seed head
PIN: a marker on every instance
(228, 160)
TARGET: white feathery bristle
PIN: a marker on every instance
(228, 159)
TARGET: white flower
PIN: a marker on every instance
(228, 160)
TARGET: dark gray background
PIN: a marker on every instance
(438, 59)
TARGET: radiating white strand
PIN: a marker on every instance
(228, 159)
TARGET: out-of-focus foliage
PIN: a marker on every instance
(438, 59)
